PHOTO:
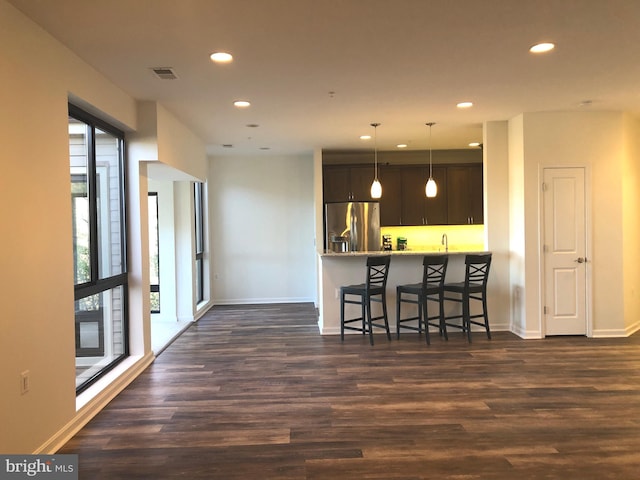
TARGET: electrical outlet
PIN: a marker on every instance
(24, 382)
(337, 293)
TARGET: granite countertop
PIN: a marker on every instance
(408, 253)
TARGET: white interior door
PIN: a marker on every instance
(565, 259)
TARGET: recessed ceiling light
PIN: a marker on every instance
(402, 145)
(474, 144)
(365, 137)
(221, 57)
(241, 103)
(542, 48)
(265, 148)
(465, 105)
(252, 125)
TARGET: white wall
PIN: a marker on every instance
(162, 137)
(262, 229)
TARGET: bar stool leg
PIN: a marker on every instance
(398, 302)
(486, 315)
(342, 316)
(424, 316)
(466, 320)
(443, 323)
(384, 313)
(369, 321)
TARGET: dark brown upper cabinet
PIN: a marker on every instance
(417, 209)
(391, 202)
(347, 183)
(404, 202)
(464, 185)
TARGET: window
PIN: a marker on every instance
(199, 234)
(154, 253)
(96, 161)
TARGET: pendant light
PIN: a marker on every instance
(376, 187)
(431, 189)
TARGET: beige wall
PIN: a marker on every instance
(517, 242)
(631, 222)
(496, 220)
(36, 283)
(602, 142)
(38, 77)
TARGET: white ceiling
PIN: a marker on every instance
(398, 62)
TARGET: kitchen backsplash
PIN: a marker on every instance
(465, 238)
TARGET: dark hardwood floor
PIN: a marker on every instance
(254, 392)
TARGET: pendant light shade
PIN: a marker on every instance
(376, 187)
(431, 188)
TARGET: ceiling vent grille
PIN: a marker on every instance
(164, 73)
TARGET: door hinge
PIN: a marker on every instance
(545, 248)
(546, 310)
(544, 187)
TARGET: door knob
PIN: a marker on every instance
(580, 260)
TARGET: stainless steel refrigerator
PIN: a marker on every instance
(352, 226)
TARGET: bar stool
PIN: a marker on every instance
(474, 287)
(373, 290)
(431, 289)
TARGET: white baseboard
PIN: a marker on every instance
(253, 301)
(616, 332)
(90, 402)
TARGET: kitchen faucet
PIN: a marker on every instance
(445, 242)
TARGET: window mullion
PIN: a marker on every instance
(93, 205)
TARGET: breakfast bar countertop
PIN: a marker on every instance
(401, 253)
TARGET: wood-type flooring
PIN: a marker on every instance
(255, 392)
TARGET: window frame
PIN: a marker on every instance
(199, 236)
(155, 287)
(96, 285)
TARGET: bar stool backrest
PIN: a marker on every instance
(477, 269)
(378, 271)
(434, 271)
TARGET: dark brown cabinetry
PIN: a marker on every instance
(417, 209)
(403, 202)
(343, 183)
(391, 202)
(464, 184)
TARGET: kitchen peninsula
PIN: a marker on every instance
(349, 268)
(453, 221)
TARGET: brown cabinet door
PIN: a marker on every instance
(414, 180)
(435, 210)
(458, 205)
(335, 183)
(476, 198)
(361, 180)
(464, 184)
(458, 202)
(391, 201)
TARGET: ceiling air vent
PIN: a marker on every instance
(164, 73)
